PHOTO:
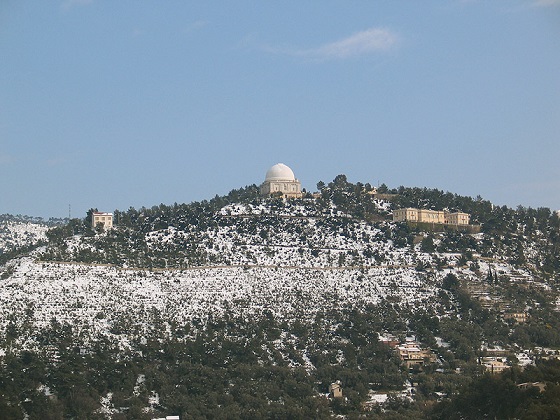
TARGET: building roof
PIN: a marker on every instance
(280, 172)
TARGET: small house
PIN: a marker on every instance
(335, 389)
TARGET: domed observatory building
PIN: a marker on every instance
(280, 180)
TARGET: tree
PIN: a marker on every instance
(99, 228)
(89, 216)
(450, 282)
(427, 244)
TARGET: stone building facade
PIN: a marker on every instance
(106, 219)
(280, 180)
(431, 216)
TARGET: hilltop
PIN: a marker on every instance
(239, 286)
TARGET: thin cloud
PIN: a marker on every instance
(361, 43)
(189, 28)
(365, 42)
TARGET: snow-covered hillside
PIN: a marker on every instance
(97, 298)
(292, 265)
(15, 233)
(297, 242)
(250, 259)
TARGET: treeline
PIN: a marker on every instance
(352, 199)
(52, 221)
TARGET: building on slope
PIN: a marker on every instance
(519, 317)
(105, 219)
(281, 181)
(494, 365)
(412, 354)
(335, 389)
(431, 216)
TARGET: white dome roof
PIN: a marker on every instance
(280, 172)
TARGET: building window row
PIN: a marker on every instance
(431, 216)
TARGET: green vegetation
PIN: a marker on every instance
(500, 397)
(229, 367)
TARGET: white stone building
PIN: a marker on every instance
(280, 180)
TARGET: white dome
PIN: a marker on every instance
(280, 172)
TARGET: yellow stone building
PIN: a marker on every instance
(105, 219)
(431, 216)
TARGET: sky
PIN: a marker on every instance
(113, 105)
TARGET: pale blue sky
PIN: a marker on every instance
(112, 104)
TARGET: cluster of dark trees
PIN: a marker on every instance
(500, 397)
(352, 199)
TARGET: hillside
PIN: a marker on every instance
(238, 287)
(16, 232)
